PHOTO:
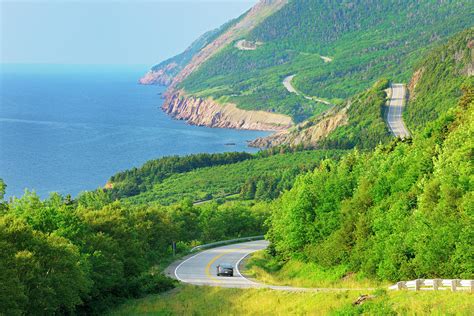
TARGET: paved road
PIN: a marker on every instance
(395, 110)
(200, 269)
(288, 85)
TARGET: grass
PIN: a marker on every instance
(194, 300)
(300, 274)
(203, 300)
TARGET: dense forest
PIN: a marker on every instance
(364, 45)
(272, 175)
(134, 181)
(60, 255)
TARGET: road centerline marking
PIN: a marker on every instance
(209, 264)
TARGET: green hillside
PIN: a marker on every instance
(365, 128)
(436, 86)
(261, 178)
(364, 45)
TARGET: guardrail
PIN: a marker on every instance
(226, 242)
(435, 285)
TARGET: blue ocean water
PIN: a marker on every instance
(67, 129)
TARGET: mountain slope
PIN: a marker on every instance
(365, 40)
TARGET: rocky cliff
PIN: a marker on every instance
(308, 133)
(161, 76)
(207, 112)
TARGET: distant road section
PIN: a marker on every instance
(395, 110)
(289, 86)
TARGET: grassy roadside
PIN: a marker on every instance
(202, 300)
(265, 269)
(194, 300)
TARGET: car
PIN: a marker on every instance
(225, 269)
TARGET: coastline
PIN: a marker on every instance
(207, 112)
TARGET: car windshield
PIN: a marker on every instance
(226, 266)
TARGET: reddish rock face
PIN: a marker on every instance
(207, 112)
(307, 134)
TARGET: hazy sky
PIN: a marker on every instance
(105, 31)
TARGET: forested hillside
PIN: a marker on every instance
(84, 255)
(362, 45)
(435, 86)
(358, 122)
(137, 180)
(403, 211)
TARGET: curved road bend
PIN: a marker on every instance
(200, 269)
(289, 87)
(395, 110)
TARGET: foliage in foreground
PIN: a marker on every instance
(86, 255)
(189, 300)
(59, 256)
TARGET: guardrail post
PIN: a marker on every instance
(418, 284)
(454, 284)
(472, 285)
(401, 285)
(436, 284)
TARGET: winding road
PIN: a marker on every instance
(395, 110)
(200, 269)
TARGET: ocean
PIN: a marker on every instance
(67, 129)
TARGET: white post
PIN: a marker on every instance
(401, 285)
(436, 284)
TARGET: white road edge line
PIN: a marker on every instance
(390, 110)
(238, 271)
(179, 265)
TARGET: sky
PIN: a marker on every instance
(141, 32)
